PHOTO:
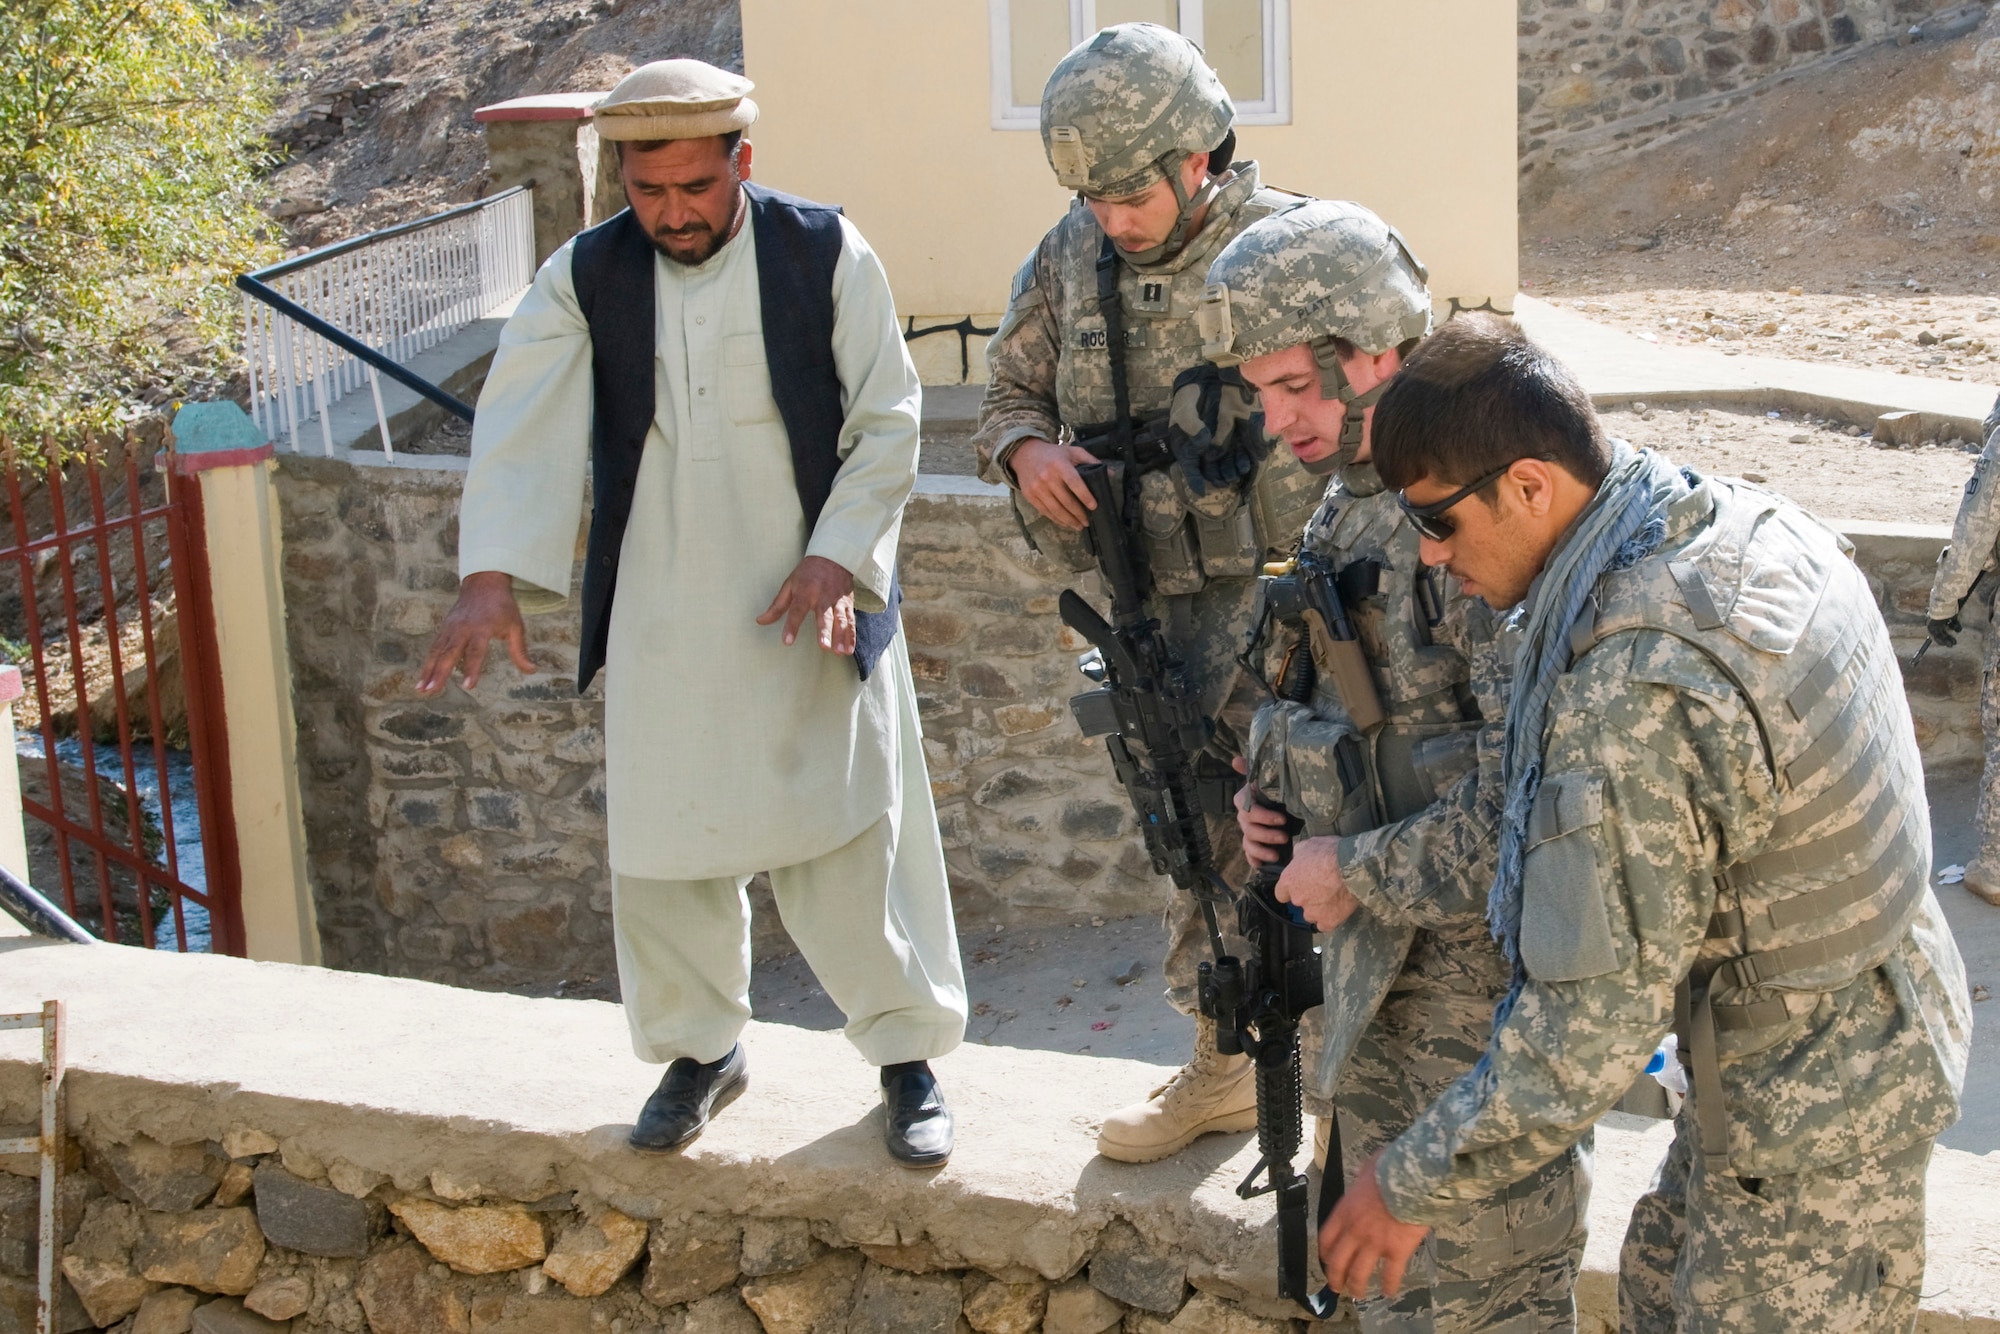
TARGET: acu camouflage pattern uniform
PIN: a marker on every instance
(1411, 979)
(1975, 535)
(1050, 371)
(1731, 840)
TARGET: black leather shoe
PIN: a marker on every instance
(917, 1124)
(688, 1095)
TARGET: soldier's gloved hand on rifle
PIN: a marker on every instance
(1312, 880)
(1215, 428)
(1046, 474)
(1944, 633)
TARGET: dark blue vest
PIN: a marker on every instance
(798, 245)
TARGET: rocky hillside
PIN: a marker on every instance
(376, 96)
(1883, 165)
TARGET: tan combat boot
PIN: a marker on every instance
(1212, 1094)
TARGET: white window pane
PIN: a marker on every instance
(1166, 13)
(1233, 36)
(1040, 32)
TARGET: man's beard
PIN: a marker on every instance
(707, 240)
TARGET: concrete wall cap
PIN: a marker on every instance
(542, 106)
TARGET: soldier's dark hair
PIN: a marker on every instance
(1477, 395)
(732, 142)
(1220, 156)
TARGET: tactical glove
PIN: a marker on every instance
(1944, 633)
(1214, 428)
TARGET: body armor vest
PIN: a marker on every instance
(1427, 740)
(1226, 533)
(1772, 598)
(1418, 634)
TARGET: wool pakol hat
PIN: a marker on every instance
(676, 99)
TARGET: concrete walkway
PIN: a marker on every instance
(1619, 368)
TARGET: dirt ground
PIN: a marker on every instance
(1848, 216)
(1820, 465)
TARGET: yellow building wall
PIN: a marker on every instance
(884, 106)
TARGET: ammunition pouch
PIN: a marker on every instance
(1416, 763)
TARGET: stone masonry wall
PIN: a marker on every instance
(1585, 64)
(462, 839)
(254, 1235)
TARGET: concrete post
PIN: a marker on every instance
(13, 832)
(219, 447)
(549, 140)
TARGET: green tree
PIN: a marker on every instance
(131, 151)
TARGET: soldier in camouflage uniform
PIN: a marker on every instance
(1318, 303)
(1713, 824)
(1137, 123)
(1972, 556)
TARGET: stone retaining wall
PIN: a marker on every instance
(462, 839)
(1586, 64)
(339, 1152)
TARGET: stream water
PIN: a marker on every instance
(186, 822)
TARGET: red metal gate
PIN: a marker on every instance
(104, 597)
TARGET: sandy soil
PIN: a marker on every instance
(1819, 465)
(1953, 337)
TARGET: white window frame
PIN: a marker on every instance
(1274, 109)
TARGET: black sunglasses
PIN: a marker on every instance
(1430, 520)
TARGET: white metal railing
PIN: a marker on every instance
(319, 326)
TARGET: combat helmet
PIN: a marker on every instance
(1127, 108)
(1318, 271)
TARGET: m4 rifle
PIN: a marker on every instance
(1145, 706)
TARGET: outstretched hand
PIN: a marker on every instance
(485, 611)
(820, 589)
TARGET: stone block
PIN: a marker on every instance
(357, 1182)
(724, 1313)
(235, 1185)
(1093, 821)
(690, 1260)
(99, 1264)
(806, 1300)
(592, 1255)
(1007, 1308)
(513, 1313)
(1077, 1308)
(777, 1246)
(17, 1308)
(982, 681)
(1010, 785)
(1209, 1314)
(478, 1239)
(280, 1296)
(932, 627)
(1016, 719)
(888, 1301)
(21, 1217)
(400, 1295)
(230, 1316)
(168, 1311)
(1129, 1270)
(160, 1176)
(215, 1250)
(310, 1218)
(248, 1142)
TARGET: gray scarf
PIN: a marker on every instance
(1624, 524)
